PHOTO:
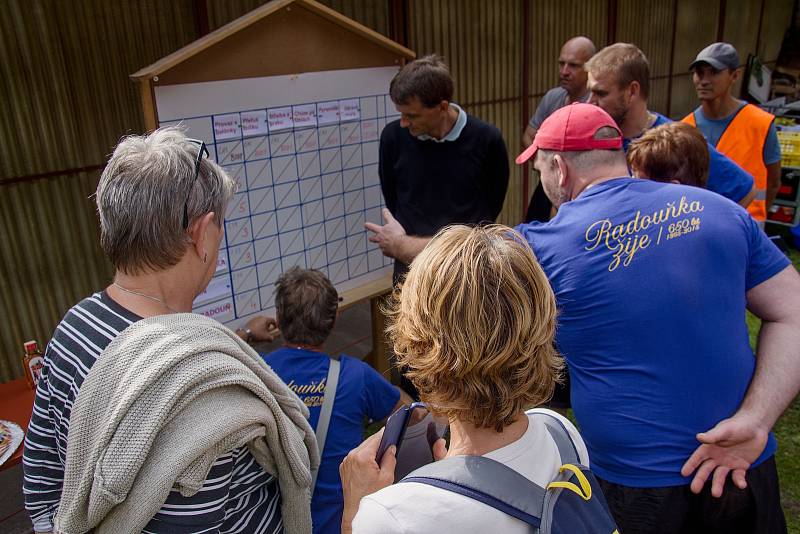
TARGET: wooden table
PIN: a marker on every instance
(16, 405)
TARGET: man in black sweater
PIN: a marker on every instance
(438, 165)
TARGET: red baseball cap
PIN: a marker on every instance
(572, 129)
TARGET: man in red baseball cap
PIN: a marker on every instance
(652, 281)
(580, 129)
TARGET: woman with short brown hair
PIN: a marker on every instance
(474, 323)
(673, 152)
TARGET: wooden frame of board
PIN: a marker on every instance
(283, 37)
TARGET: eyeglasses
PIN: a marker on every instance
(202, 151)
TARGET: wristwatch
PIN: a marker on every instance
(248, 334)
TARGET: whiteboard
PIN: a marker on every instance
(303, 150)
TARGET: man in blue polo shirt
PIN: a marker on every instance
(306, 305)
(652, 282)
(619, 81)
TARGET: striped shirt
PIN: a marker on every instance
(238, 496)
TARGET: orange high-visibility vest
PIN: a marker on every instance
(743, 141)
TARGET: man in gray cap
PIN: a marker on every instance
(743, 132)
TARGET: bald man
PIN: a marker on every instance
(571, 88)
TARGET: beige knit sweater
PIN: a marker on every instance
(167, 397)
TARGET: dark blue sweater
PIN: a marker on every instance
(428, 185)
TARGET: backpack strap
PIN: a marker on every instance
(331, 382)
(566, 447)
(487, 481)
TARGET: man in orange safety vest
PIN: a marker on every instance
(743, 132)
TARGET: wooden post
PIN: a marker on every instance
(378, 358)
(148, 104)
(398, 21)
(526, 115)
(200, 12)
(611, 27)
(672, 56)
(721, 21)
(757, 51)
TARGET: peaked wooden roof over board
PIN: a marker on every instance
(280, 37)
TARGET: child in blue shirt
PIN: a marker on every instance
(306, 306)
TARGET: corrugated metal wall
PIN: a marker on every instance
(67, 98)
(371, 13)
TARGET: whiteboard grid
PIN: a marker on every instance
(303, 195)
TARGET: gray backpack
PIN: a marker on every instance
(572, 503)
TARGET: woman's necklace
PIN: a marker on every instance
(300, 346)
(156, 299)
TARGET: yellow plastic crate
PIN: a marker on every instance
(790, 145)
(790, 161)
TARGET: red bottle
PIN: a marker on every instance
(32, 362)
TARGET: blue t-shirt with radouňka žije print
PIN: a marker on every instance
(361, 393)
(650, 280)
(725, 176)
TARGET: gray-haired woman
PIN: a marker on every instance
(149, 417)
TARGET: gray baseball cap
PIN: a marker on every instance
(721, 56)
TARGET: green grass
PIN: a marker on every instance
(788, 433)
(787, 430)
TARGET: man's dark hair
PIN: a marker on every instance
(427, 78)
(305, 303)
